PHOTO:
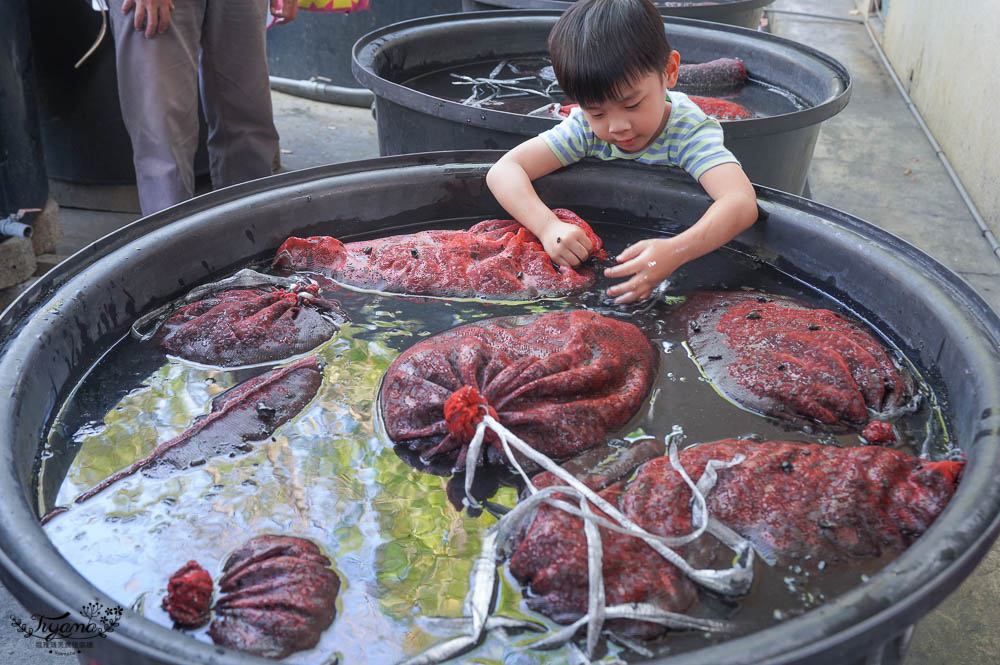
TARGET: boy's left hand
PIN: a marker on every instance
(649, 262)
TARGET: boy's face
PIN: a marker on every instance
(637, 117)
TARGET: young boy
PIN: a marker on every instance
(613, 59)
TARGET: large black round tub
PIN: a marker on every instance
(775, 151)
(745, 13)
(64, 323)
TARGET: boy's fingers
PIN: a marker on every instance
(567, 258)
(631, 296)
(128, 6)
(629, 267)
(140, 17)
(578, 249)
(631, 251)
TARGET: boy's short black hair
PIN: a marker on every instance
(599, 47)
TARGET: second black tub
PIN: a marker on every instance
(775, 150)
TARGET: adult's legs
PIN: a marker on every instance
(242, 140)
(158, 87)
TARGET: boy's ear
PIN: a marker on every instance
(673, 69)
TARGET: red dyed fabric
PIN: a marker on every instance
(788, 499)
(716, 75)
(560, 381)
(278, 596)
(722, 109)
(248, 412)
(495, 258)
(248, 326)
(189, 596)
(783, 359)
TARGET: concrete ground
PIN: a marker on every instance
(871, 160)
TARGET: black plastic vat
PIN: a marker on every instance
(745, 13)
(774, 151)
(64, 322)
(83, 132)
(318, 44)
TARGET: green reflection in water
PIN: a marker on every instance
(399, 547)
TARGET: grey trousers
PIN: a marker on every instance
(217, 46)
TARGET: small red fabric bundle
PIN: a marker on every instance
(786, 360)
(494, 258)
(788, 499)
(560, 381)
(189, 596)
(278, 596)
(249, 326)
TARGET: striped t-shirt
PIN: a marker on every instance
(690, 140)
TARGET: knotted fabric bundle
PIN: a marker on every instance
(249, 326)
(788, 499)
(781, 358)
(278, 596)
(560, 381)
(189, 596)
(496, 258)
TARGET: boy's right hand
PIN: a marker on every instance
(566, 244)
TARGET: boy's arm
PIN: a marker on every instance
(510, 181)
(651, 261)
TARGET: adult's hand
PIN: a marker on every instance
(284, 11)
(151, 15)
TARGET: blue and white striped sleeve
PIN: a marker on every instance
(703, 149)
(568, 140)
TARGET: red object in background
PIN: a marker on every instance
(277, 597)
(494, 258)
(719, 75)
(560, 381)
(189, 596)
(788, 499)
(250, 326)
(786, 360)
(722, 109)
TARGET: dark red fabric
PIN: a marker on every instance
(249, 326)
(560, 381)
(278, 596)
(189, 596)
(788, 499)
(248, 412)
(494, 258)
(716, 75)
(721, 108)
(783, 359)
